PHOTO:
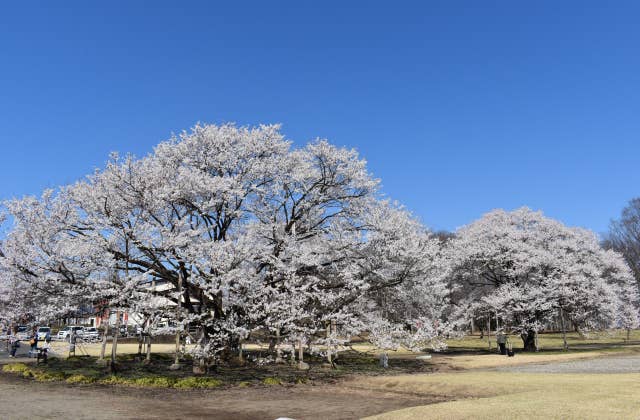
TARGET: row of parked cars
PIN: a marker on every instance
(24, 333)
(86, 333)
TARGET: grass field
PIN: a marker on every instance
(456, 384)
(472, 344)
(549, 341)
(479, 394)
(503, 395)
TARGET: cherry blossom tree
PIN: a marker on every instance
(527, 267)
(246, 234)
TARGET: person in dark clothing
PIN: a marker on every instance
(34, 344)
(14, 343)
(502, 339)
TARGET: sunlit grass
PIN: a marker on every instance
(506, 395)
(548, 341)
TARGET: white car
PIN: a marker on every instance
(90, 334)
(43, 332)
(23, 333)
(64, 334)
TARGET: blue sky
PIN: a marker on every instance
(459, 107)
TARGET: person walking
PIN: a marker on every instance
(14, 343)
(34, 345)
(502, 339)
(43, 353)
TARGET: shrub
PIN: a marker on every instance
(154, 381)
(272, 381)
(16, 368)
(145, 381)
(80, 379)
(48, 376)
(195, 382)
(115, 380)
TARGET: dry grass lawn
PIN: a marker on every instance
(61, 349)
(500, 395)
(484, 361)
(474, 393)
(550, 341)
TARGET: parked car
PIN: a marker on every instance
(90, 334)
(65, 333)
(23, 332)
(43, 332)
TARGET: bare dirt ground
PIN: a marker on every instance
(25, 399)
(341, 399)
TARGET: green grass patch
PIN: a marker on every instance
(154, 381)
(163, 382)
(44, 376)
(272, 381)
(197, 382)
(80, 379)
(115, 380)
(15, 368)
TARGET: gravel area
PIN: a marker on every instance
(610, 364)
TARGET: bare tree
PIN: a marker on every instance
(624, 236)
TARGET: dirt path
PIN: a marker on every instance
(21, 399)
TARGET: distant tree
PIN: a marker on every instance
(529, 268)
(624, 236)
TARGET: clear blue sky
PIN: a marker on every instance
(459, 107)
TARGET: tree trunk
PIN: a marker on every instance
(489, 331)
(140, 338)
(529, 341)
(279, 358)
(328, 344)
(114, 343)
(272, 345)
(176, 362)
(301, 364)
(104, 341)
(148, 340)
(564, 331)
(200, 364)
